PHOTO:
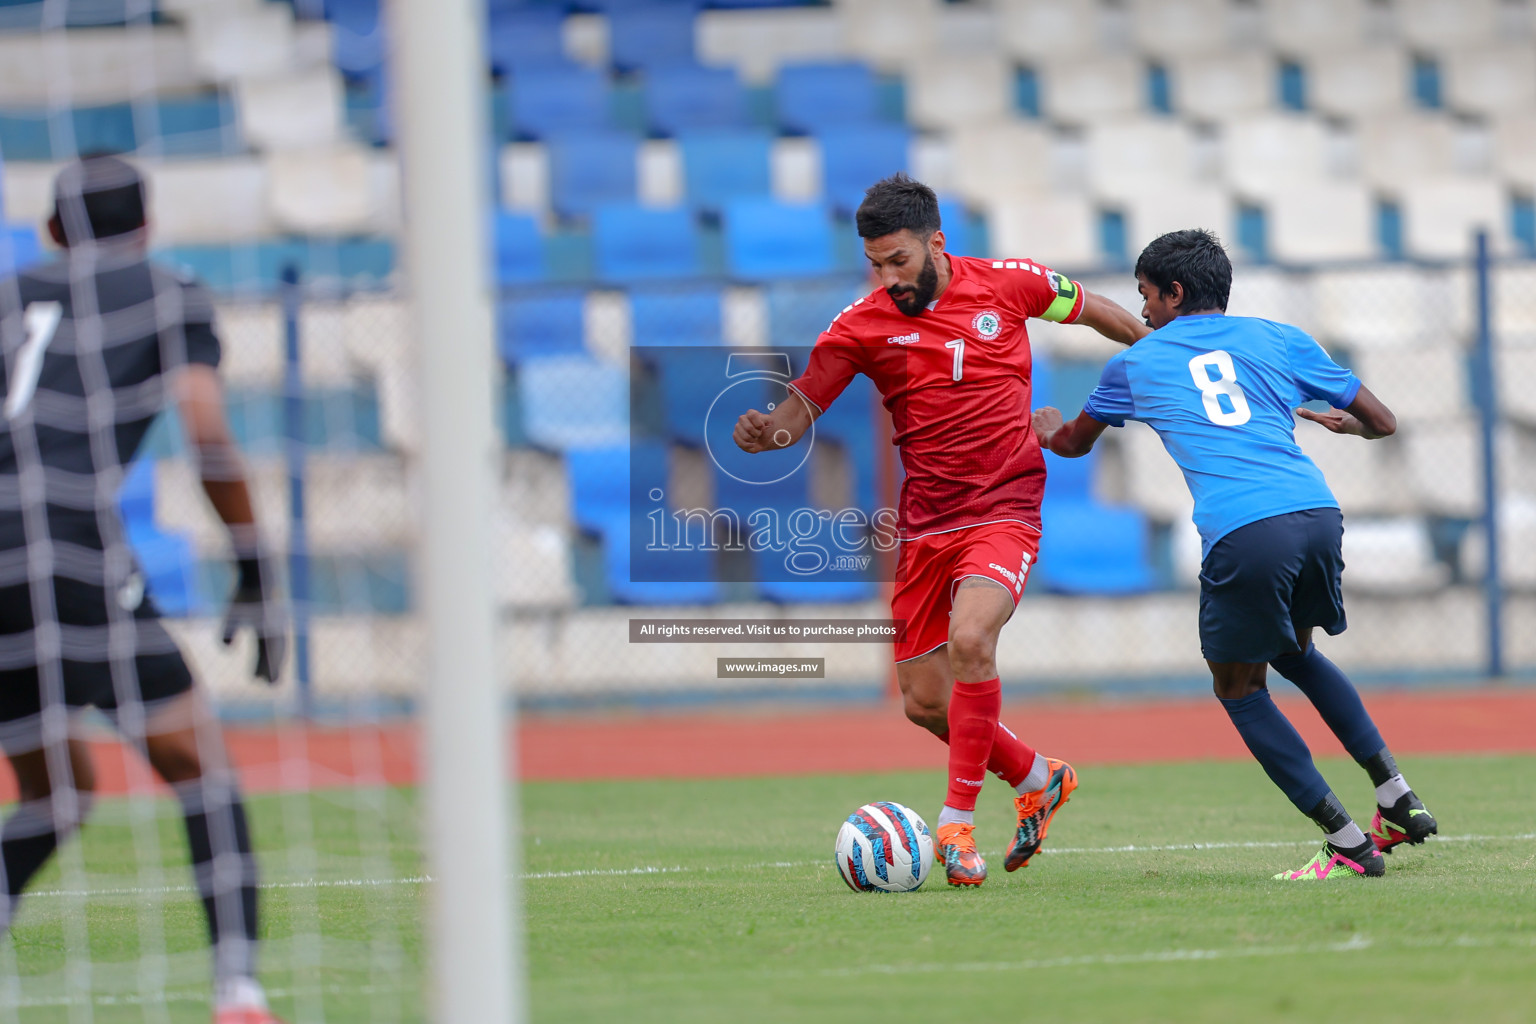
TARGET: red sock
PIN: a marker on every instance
(973, 710)
(1011, 758)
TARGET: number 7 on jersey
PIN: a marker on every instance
(42, 321)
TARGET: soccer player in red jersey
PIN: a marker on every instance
(944, 340)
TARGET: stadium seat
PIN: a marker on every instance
(1392, 556)
(544, 323)
(855, 156)
(1081, 91)
(652, 34)
(1088, 548)
(1176, 207)
(550, 100)
(1321, 220)
(722, 165)
(573, 401)
(812, 98)
(196, 126)
(1491, 79)
(1139, 156)
(888, 33)
(756, 43)
(1438, 24)
(1391, 306)
(690, 382)
(850, 422)
(958, 234)
(768, 239)
(19, 247)
(1359, 82)
(1441, 214)
(588, 169)
(686, 97)
(688, 316)
(994, 161)
(1270, 152)
(299, 110)
(1222, 85)
(1360, 475)
(601, 503)
(524, 38)
(1516, 371)
(957, 90)
(1307, 26)
(1398, 151)
(1424, 383)
(167, 559)
(1153, 480)
(357, 35)
(1514, 147)
(798, 311)
(1058, 230)
(1038, 30)
(519, 248)
(637, 243)
(1173, 28)
(321, 191)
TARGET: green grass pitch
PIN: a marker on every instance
(717, 900)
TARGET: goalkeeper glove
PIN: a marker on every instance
(250, 606)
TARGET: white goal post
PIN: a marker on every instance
(439, 102)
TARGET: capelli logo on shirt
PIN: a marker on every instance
(904, 339)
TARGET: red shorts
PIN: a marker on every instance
(931, 567)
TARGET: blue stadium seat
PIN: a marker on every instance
(547, 323)
(850, 422)
(813, 591)
(519, 248)
(199, 126)
(798, 311)
(689, 384)
(524, 38)
(549, 100)
(168, 560)
(602, 503)
(1089, 548)
(687, 97)
(19, 247)
(573, 401)
(653, 34)
(675, 317)
(719, 166)
(817, 97)
(854, 157)
(588, 169)
(638, 243)
(766, 239)
(357, 36)
(957, 229)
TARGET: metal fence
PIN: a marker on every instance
(327, 413)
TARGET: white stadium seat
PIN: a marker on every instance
(1396, 150)
(1391, 556)
(1423, 383)
(290, 111)
(1060, 230)
(251, 334)
(192, 201)
(1517, 545)
(1359, 472)
(1515, 371)
(1492, 79)
(1445, 467)
(1514, 303)
(1222, 85)
(888, 33)
(532, 564)
(524, 169)
(1514, 147)
(1436, 24)
(1175, 208)
(1269, 152)
(1154, 482)
(1298, 27)
(1441, 214)
(1272, 294)
(955, 90)
(105, 65)
(1358, 82)
(1042, 30)
(1391, 306)
(325, 191)
(990, 161)
(229, 44)
(757, 42)
(659, 173)
(794, 170)
(1140, 156)
(1321, 221)
(1171, 28)
(1083, 90)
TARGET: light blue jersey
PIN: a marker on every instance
(1220, 390)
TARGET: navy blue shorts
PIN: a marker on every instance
(1263, 583)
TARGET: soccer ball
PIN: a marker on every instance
(884, 847)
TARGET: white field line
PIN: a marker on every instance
(366, 883)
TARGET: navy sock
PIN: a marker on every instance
(1335, 698)
(1278, 747)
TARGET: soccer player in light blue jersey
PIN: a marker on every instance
(1220, 390)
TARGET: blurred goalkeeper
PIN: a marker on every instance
(95, 345)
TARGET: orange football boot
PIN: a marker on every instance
(956, 850)
(1036, 810)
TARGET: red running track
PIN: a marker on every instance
(865, 739)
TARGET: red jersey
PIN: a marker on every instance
(956, 379)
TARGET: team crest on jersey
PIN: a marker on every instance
(987, 325)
